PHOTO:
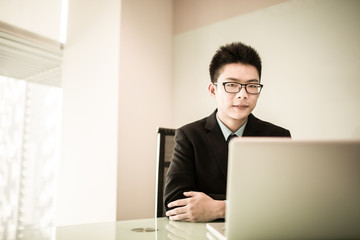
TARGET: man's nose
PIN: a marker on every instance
(242, 93)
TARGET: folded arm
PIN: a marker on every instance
(183, 200)
(197, 207)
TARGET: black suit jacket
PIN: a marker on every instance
(199, 161)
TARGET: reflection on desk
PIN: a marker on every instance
(160, 228)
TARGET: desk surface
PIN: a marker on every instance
(130, 229)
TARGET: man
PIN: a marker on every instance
(196, 182)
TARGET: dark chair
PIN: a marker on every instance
(165, 148)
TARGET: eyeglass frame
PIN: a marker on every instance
(241, 86)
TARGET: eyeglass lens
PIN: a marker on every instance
(236, 87)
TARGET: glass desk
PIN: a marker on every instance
(160, 228)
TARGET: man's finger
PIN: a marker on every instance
(175, 211)
(179, 217)
(178, 203)
(190, 194)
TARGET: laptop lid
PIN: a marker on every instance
(290, 189)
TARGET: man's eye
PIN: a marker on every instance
(232, 85)
(252, 86)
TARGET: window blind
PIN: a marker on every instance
(29, 56)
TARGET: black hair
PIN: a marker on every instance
(235, 52)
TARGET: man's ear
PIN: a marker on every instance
(212, 89)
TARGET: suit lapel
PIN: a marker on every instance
(252, 126)
(217, 142)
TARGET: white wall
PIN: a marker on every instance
(310, 51)
(87, 174)
(38, 16)
(145, 91)
(117, 91)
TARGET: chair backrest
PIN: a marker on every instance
(165, 148)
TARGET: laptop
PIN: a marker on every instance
(291, 189)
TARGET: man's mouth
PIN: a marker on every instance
(241, 106)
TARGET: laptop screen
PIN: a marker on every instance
(282, 188)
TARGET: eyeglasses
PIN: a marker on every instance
(235, 87)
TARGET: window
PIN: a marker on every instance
(30, 114)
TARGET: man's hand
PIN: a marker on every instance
(198, 207)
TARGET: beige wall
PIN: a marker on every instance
(309, 49)
(192, 14)
(146, 58)
(87, 170)
(145, 93)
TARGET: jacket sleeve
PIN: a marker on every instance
(181, 174)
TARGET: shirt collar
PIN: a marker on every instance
(226, 131)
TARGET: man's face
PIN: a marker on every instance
(234, 108)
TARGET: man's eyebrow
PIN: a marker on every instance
(253, 80)
(248, 81)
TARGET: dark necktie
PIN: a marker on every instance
(231, 136)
